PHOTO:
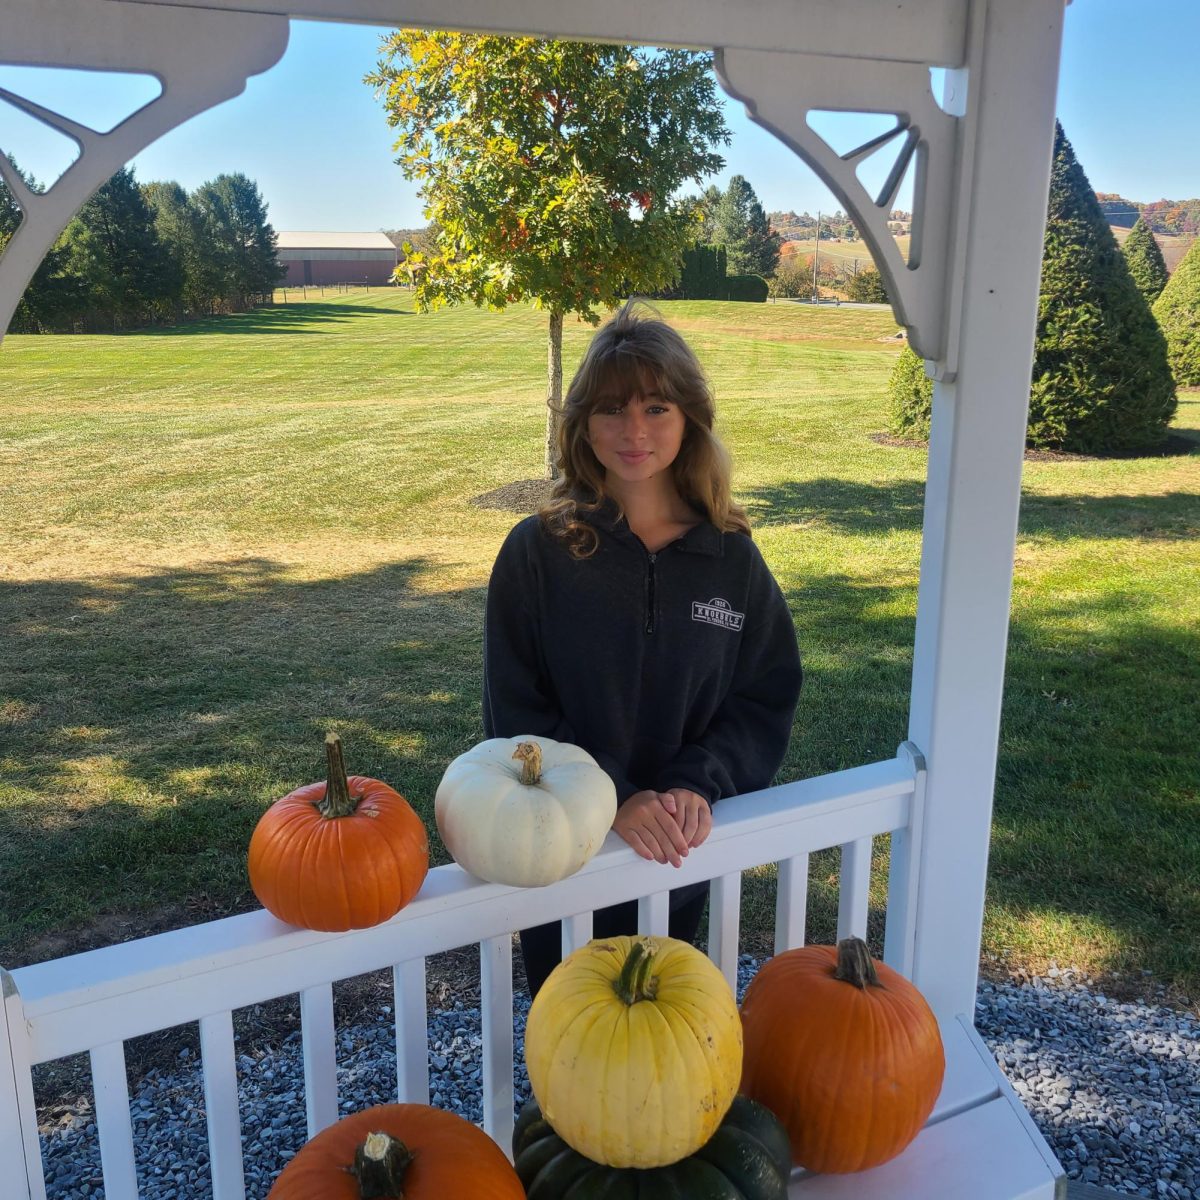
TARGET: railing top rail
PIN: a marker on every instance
(169, 978)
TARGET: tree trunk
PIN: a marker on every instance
(553, 392)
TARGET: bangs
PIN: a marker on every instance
(622, 372)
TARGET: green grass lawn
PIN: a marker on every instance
(220, 541)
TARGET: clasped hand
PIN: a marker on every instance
(664, 826)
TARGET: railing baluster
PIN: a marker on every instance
(654, 914)
(724, 913)
(19, 1149)
(791, 903)
(320, 1057)
(412, 1032)
(900, 929)
(854, 887)
(221, 1106)
(576, 932)
(495, 985)
(110, 1083)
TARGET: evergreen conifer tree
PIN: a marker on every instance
(707, 204)
(742, 226)
(1100, 376)
(910, 397)
(180, 229)
(115, 250)
(1145, 261)
(1178, 313)
(1101, 381)
(240, 241)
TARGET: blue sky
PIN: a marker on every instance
(315, 140)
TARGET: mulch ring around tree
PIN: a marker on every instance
(523, 496)
(1174, 446)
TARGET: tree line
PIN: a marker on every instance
(1162, 216)
(148, 254)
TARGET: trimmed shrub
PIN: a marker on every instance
(867, 287)
(910, 397)
(1145, 261)
(752, 288)
(1100, 376)
(1178, 312)
(703, 274)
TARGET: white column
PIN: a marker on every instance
(973, 490)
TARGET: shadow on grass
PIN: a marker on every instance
(1098, 786)
(854, 507)
(147, 722)
(304, 317)
(843, 504)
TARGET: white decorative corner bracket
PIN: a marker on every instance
(780, 89)
(200, 58)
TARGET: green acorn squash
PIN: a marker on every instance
(748, 1158)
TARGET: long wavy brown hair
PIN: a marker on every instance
(628, 352)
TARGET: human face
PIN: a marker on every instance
(636, 437)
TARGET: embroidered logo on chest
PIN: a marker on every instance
(717, 612)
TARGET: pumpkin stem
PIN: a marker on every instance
(379, 1166)
(854, 964)
(530, 754)
(337, 801)
(636, 981)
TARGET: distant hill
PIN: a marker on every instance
(793, 226)
(1163, 216)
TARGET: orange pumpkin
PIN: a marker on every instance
(343, 854)
(844, 1051)
(394, 1150)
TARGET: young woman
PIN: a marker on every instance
(634, 616)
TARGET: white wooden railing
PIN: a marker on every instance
(95, 1001)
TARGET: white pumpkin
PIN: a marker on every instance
(524, 811)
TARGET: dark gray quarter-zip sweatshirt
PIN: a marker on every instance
(675, 669)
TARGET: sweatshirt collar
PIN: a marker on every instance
(704, 538)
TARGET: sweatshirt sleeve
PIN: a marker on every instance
(518, 695)
(745, 742)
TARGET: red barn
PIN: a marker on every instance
(312, 258)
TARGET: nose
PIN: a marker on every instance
(635, 422)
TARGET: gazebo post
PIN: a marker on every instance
(974, 480)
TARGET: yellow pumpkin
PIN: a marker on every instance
(524, 811)
(634, 1050)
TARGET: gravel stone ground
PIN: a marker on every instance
(1113, 1086)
